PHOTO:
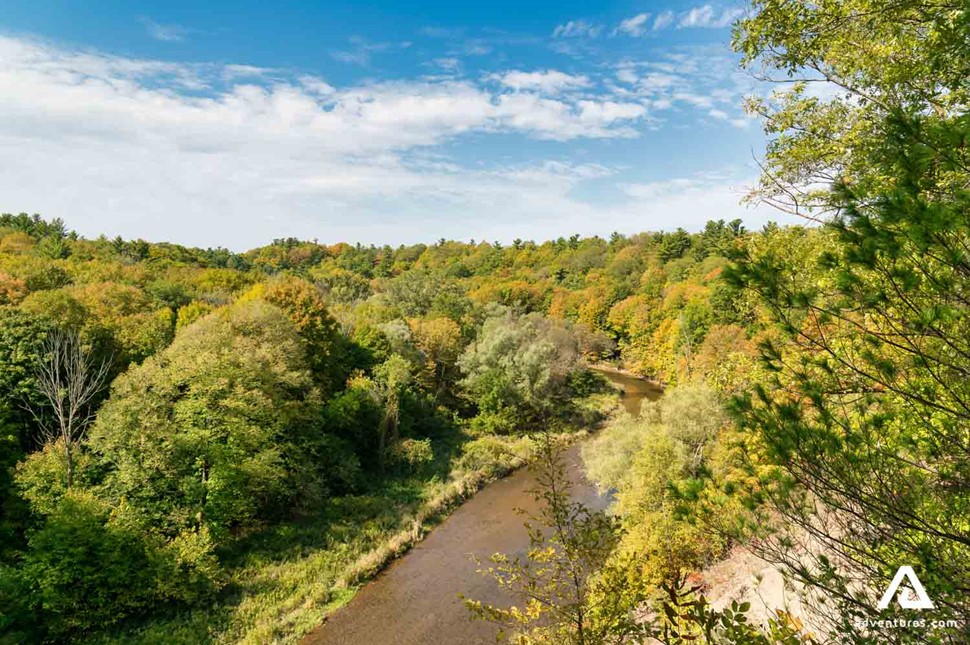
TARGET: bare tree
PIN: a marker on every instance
(68, 379)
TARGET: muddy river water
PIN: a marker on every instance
(415, 600)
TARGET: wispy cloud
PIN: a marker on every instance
(432, 31)
(169, 33)
(703, 80)
(448, 64)
(703, 16)
(635, 26)
(663, 20)
(708, 16)
(577, 29)
(361, 51)
(234, 72)
(358, 57)
(473, 47)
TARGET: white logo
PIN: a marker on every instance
(906, 601)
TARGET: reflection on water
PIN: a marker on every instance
(633, 389)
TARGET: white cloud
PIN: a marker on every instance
(697, 100)
(361, 51)
(702, 80)
(607, 112)
(441, 32)
(473, 48)
(659, 81)
(626, 75)
(359, 57)
(165, 33)
(699, 198)
(635, 26)
(708, 16)
(448, 64)
(700, 16)
(316, 85)
(577, 29)
(659, 189)
(235, 72)
(217, 154)
(546, 118)
(549, 81)
(663, 20)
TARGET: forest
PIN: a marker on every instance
(204, 445)
(299, 385)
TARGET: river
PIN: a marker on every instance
(415, 600)
(633, 389)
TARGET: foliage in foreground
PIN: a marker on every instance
(859, 427)
(576, 585)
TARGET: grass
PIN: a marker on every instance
(285, 580)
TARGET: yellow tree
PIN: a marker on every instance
(440, 341)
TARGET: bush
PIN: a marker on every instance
(584, 382)
(412, 454)
(354, 415)
(494, 456)
(82, 571)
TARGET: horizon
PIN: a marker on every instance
(428, 243)
(207, 128)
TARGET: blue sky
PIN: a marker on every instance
(388, 122)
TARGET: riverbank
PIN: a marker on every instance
(285, 581)
(290, 579)
(421, 589)
(416, 599)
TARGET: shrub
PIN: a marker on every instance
(494, 456)
(82, 571)
(413, 454)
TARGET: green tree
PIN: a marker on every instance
(869, 58)
(214, 431)
(12, 511)
(516, 370)
(440, 341)
(304, 305)
(21, 339)
(90, 565)
(866, 411)
(388, 389)
(866, 408)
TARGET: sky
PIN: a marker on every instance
(387, 122)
